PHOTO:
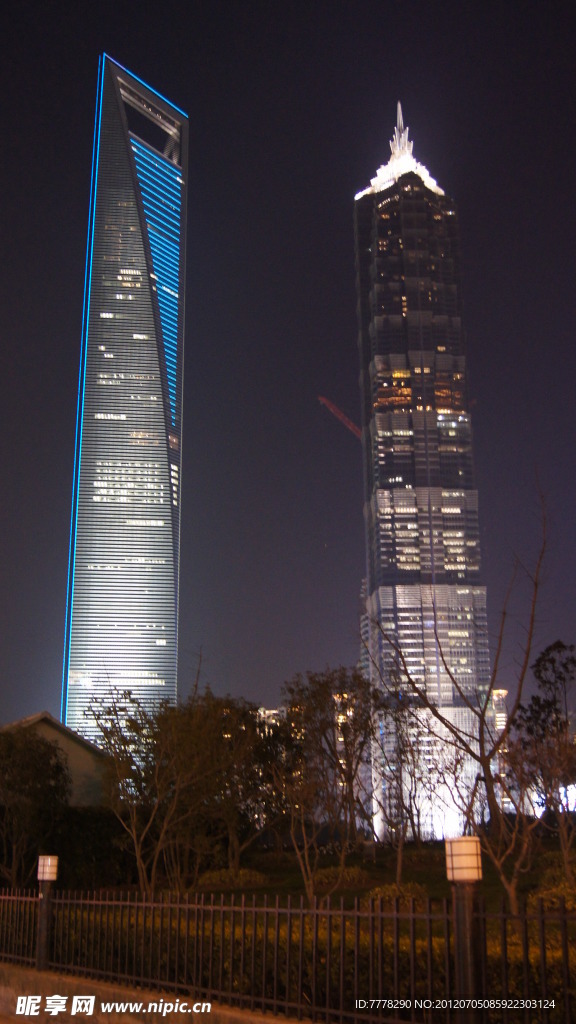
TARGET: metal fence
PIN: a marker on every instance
(369, 962)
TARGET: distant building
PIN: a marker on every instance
(425, 600)
(122, 609)
(364, 660)
(86, 762)
(270, 717)
(500, 710)
(500, 721)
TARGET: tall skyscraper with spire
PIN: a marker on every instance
(424, 593)
(122, 610)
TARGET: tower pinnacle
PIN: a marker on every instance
(399, 144)
(401, 162)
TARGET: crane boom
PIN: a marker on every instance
(341, 416)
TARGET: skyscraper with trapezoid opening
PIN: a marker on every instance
(425, 600)
(122, 609)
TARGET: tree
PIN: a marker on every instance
(147, 788)
(404, 772)
(323, 773)
(543, 743)
(34, 790)
(191, 738)
(470, 750)
(186, 779)
(244, 801)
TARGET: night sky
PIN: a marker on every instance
(291, 109)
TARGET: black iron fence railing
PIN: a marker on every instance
(18, 925)
(371, 962)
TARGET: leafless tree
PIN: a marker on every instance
(403, 771)
(495, 806)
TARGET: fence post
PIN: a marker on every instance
(43, 936)
(467, 945)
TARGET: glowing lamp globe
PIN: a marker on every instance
(463, 859)
(47, 869)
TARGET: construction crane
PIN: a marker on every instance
(341, 416)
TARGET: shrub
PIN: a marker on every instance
(404, 893)
(327, 880)
(553, 887)
(225, 880)
(551, 895)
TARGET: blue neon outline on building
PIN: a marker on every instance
(121, 631)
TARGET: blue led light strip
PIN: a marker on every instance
(161, 190)
(81, 389)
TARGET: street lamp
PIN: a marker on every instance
(464, 871)
(463, 860)
(47, 869)
(47, 873)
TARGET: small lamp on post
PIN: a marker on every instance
(464, 871)
(47, 873)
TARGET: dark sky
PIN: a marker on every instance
(291, 107)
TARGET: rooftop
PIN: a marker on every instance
(401, 162)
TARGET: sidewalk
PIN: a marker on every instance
(24, 981)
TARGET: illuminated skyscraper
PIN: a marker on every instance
(122, 609)
(424, 593)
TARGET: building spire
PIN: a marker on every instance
(401, 162)
(399, 144)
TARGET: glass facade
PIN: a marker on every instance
(424, 592)
(122, 609)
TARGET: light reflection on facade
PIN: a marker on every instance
(122, 611)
